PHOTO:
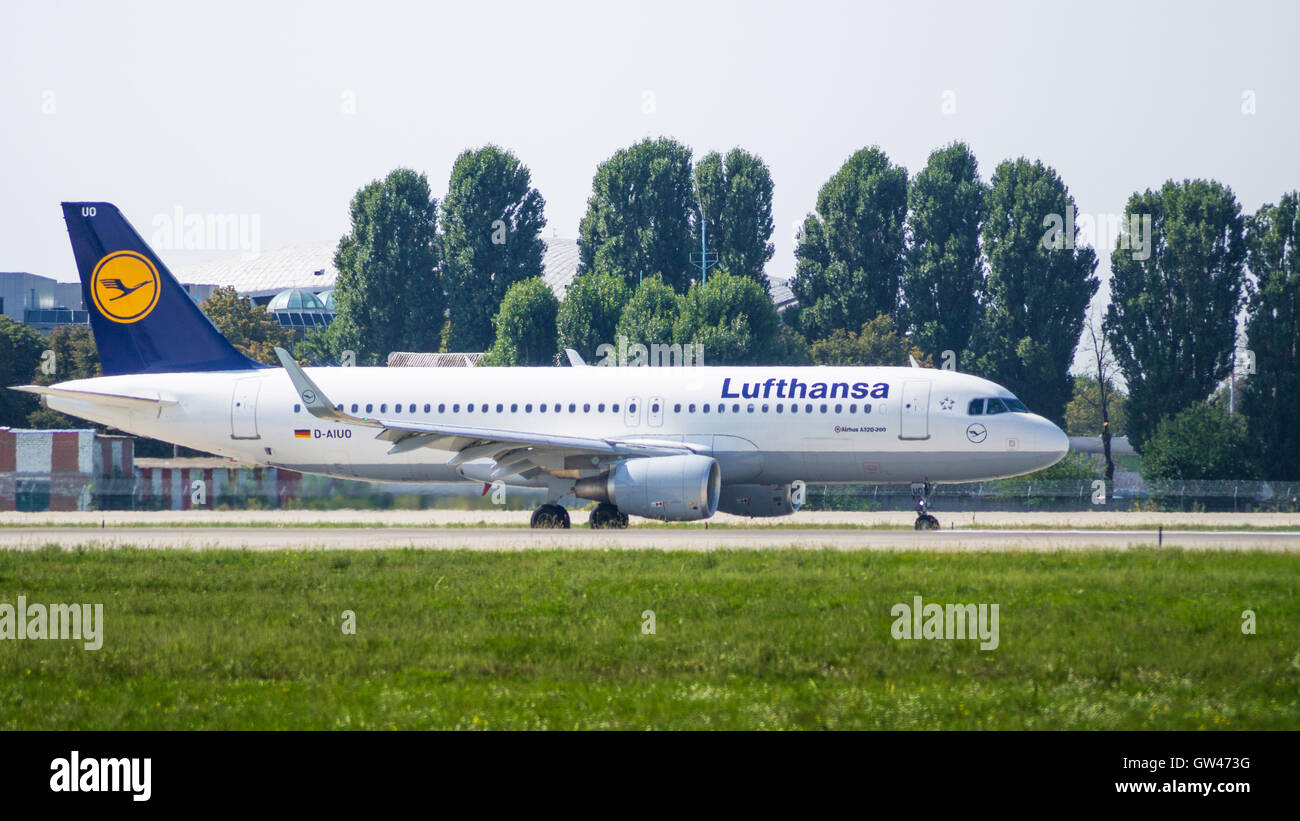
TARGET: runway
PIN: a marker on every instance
(696, 538)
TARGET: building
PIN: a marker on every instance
(65, 470)
(41, 302)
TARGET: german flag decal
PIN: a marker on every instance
(302, 434)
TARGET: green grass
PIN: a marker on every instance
(1138, 639)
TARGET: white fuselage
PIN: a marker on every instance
(884, 425)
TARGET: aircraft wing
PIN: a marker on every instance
(514, 451)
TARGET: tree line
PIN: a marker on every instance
(940, 265)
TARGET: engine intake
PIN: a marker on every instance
(669, 488)
(758, 500)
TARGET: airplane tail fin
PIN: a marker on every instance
(143, 320)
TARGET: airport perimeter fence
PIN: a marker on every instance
(1012, 495)
(285, 490)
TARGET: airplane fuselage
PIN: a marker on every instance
(762, 424)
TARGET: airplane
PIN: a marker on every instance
(662, 443)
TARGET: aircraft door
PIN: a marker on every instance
(243, 409)
(915, 410)
(655, 412)
(632, 412)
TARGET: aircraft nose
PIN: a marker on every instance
(1052, 441)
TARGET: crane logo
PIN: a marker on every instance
(125, 287)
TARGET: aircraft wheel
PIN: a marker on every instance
(550, 517)
(926, 522)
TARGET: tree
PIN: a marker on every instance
(732, 317)
(1272, 392)
(75, 357)
(20, 355)
(525, 326)
(250, 328)
(1038, 288)
(1096, 401)
(735, 196)
(649, 316)
(640, 217)
(491, 238)
(1083, 414)
(1199, 442)
(1172, 317)
(590, 312)
(877, 343)
(850, 252)
(944, 274)
(389, 292)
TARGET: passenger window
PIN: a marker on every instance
(735, 408)
(485, 407)
(976, 407)
(442, 407)
(601, 407)
(794, 408)
(749, 408)
(557, 407)
(866, 408)
(500, 407)
(354, 407)
(631, 408)
(528, 408)
(677, 408)
(823, 408)
(614, 407)
(780, 407)
(573, 407)
(383, 408)
(839, 409)
(722, 408)
(369, 407)
(654, 408)
(455, 408)
(297, 408)
(541, 408)
(853, 408)
(807, 408)
(514, 408)
(706, 407)
(691, 408)
(765, 409)
(411, 409)
(586, 407)
(427, 407)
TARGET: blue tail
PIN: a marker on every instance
(143, 320)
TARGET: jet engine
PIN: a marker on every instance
(758, 500)
(670, 488)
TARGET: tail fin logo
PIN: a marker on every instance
(125, 286)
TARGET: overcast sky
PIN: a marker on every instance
(281, 111)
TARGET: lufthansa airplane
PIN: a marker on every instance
(666, 443)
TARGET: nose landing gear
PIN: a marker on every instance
(924, 521)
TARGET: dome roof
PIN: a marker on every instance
(295, 299)
(327, 297)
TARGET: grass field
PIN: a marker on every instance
(1138, 639)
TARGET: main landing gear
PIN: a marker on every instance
(551, 517)
(607, 516)
(924, 521)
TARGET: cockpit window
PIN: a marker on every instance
(976, 407)
(995, 406)
(1015, 405)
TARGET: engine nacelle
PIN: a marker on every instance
(670, 488)
(758, 500)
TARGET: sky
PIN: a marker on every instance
(280, 111)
